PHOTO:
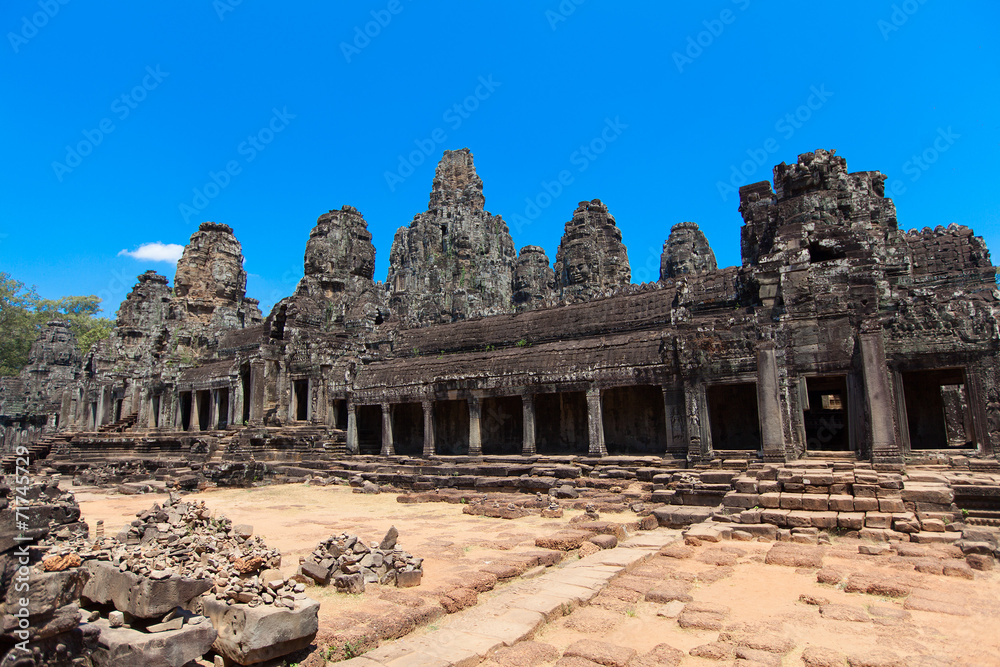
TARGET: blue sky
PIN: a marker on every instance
(129, 123)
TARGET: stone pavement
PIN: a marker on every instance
(517, 611)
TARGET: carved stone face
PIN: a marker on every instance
(578, 273)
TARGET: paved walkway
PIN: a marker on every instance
(516, 611)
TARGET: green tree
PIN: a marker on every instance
(17, 323)
(81, 313)
(23, 312)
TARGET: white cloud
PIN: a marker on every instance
(156, 252)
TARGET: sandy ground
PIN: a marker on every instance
(762, 600)
(295, 518)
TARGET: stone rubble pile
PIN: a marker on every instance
(350, 563)
(52, 634)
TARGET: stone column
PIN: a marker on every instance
(772, 430)
(885, 445)
(673, 410)
(428, 428)
(257, 392)
(99, 418)
(528, 411)
(236, 403)
(213, 410)
(142, 420)
(66, 410)
(352, 429)
(699, 433)
(387, 446)
(595, 422)
(178, 412)
(475, 427)
(194, 424)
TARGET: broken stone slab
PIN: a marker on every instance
(389, 541)
(139, 596)
(674, 516)
(123, 647)
(248, 635)
(46, 592)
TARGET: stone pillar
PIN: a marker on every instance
(193, 421)
(772, 430)
(699, 432)
(352, 429)
(528, 411)
(257, 392)
(66, 410)
(99, 417)
(143, 420)
(673, 410)
(475, 427)
(236, 403)
(428, 428)
(387, 447)
(595, 422)
(178, 412)
(213, 410)
(231, 404)
(885, 445)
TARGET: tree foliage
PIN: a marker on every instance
(23, 313)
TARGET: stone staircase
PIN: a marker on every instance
(120, 426)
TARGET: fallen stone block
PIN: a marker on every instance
(565, 540)
(139, 596)
(794, 555)
(123, 647)
(603, 653)
(248, 635)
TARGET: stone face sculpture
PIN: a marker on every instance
(456, 260)
(591, 259)
(686, 251)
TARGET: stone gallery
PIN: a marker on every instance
(840, 332)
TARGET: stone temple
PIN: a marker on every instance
(840, 334)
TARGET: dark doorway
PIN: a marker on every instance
(451, 427)
(340, 413)
(561, 423)
(825, 414)
(937, 409)
(185, 408)
(634, 420)
(502, 425)
(118, 411)
(93, 416)
(369, 429)
(300, 394)
(408, 429)
(245, 390)
(204, 409)
(732, 412)
(223, 409)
